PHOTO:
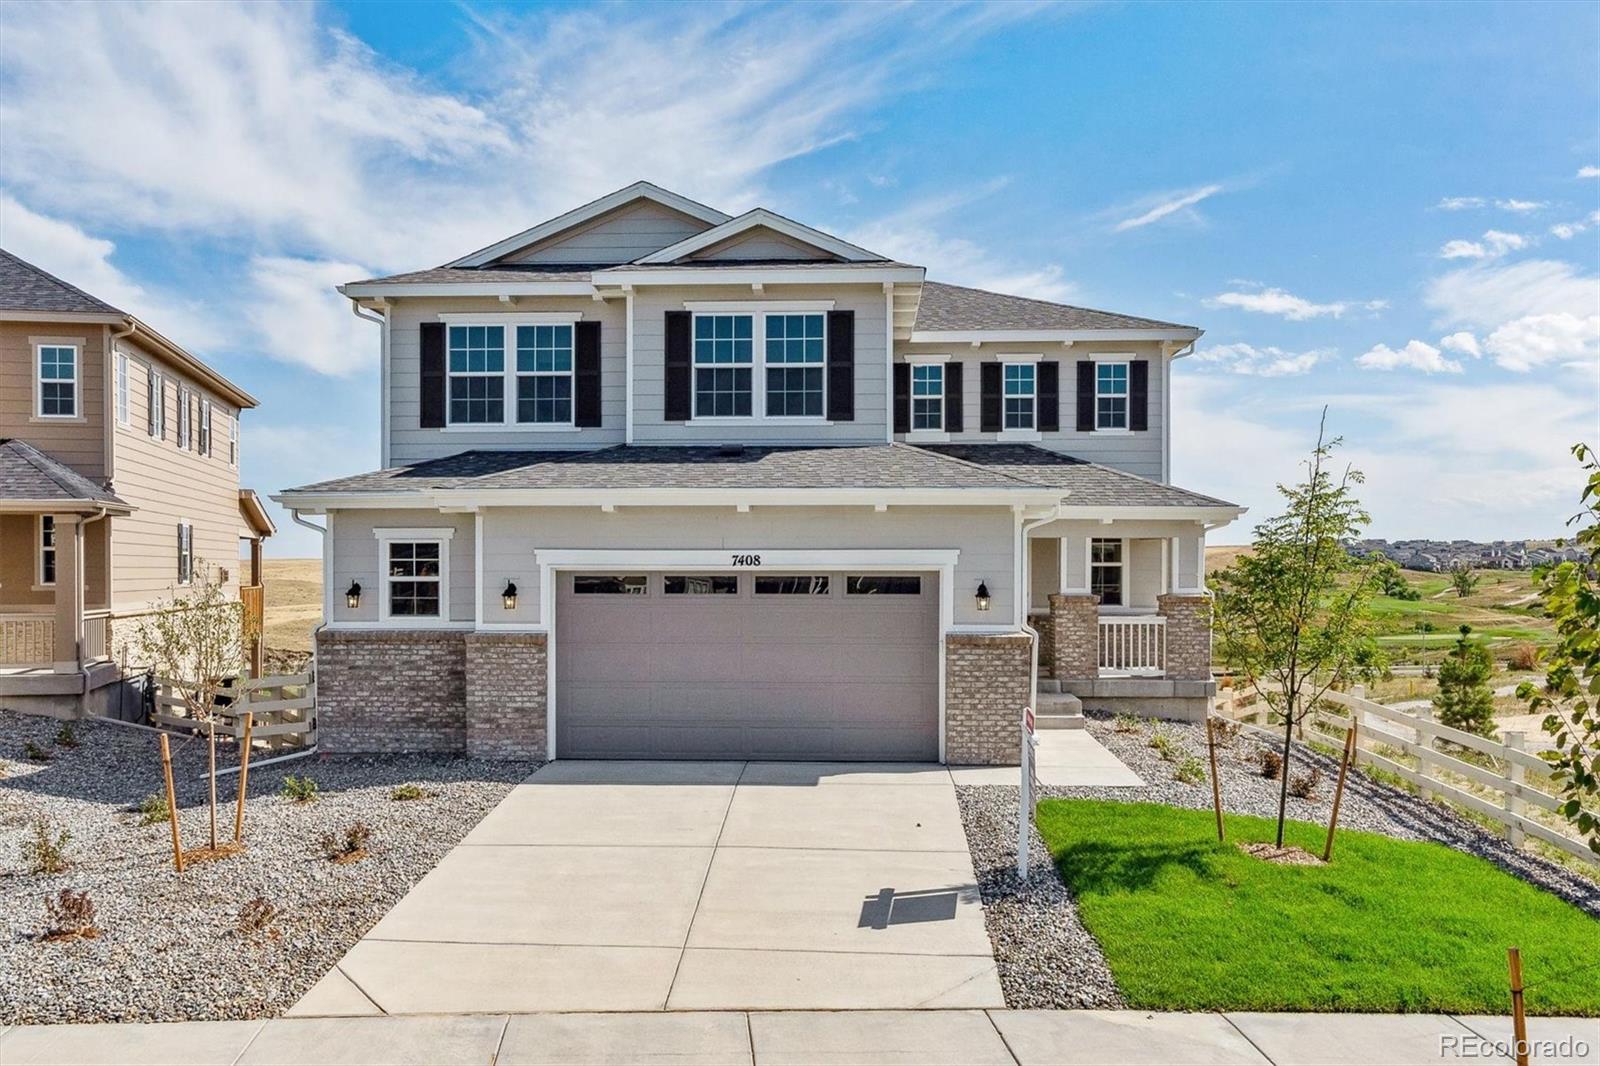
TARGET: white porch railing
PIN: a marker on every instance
(96, 636)
(1133, 646)
(27, 639)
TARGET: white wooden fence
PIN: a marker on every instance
(1401, 733)
(1133, 645)
(284, 707)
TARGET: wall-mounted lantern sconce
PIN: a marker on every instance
(509, 596)
(983, 596)
(352, 595)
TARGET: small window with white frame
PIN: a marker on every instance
(416, 574)
(205, 427)
(122, 388)
(1106, 570)
(724, 357)
(544, 374)
(477, 365)
(185, 422)
(1020, 384)
(56, 366)
(185, 553)
(927, 396)
(1110, 395)
(47, 550)
(233, 438)
(155, 392)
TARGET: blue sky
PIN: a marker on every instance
(1391, 210)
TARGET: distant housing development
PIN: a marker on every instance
(1445, 554)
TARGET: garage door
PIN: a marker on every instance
(746, 665)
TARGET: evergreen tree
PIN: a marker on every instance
(1465, 700)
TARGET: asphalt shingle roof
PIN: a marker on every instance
(956, 307)
(26, 473)
(24, 287)
(895, 466)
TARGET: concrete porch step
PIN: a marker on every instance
(1059, 721)
(1058, 710)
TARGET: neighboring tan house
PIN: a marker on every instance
(119, 478)
(662, 482)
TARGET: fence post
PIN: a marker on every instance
(1515, 806)
(1425, 736)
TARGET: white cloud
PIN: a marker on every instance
(299, 318)
(1463, 342)
(1460, 203)
(1567, 230)
(1277, 302)
(1416, 355)
(1266, 361)
(1534, 313)
(1589, 172)
(1494, 244)
(1536, 340)
(1521, 207)
(1168, 204)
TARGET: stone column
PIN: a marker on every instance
(506, 705)
(69, 593)
(1188, 618)
(1075, 628)
(986, 685)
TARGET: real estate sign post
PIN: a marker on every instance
(1027, 794)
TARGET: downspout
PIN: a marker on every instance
(1025, 595)
(382, 321)
(327, 574)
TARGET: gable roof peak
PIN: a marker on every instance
(765, 218)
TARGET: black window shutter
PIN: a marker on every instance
(989, 375)
(586, 374)
(433, 375)
(902, 397)
(841, 366)
(1139, 394)
(1085, 395)
(1049, 399)
(953, 398)
(679, 396)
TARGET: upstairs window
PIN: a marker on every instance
(927, 396)
(1106, 570)
(122, 389)
(205, 427)
(1020, 381)
(477, 356)
(47, 549)
(58, 380)
(1111, 396)
(185, 553)
(185, 426)
(233, 439)
(795, 355)
(155, 394)
(544, 374)
(724, 354)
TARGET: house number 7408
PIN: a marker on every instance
(747, 560)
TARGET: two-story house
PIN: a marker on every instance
(660, 482)
(119, 479)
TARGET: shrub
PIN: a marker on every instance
(256, 915)
(66, 736)
(1128, 723)
(299, 789)
(1190, 771)
(1271, 764)
(401, 793)
(1225, 731)
(35, 752)
(351, 848)
(1165, 746)
(1304, 786)
(153, 808)
(45, 852)
(1523, 657)
(69, 914)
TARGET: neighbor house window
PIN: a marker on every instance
(795, 354)
(477, 375)
(927, 396)
(47, 550)
(1019, 395)
(1111, 396)
(414, 586)
(883, 585)
(1106, 570)
(185, 426)
(544, 374)
(122, 389)
(801, 585)
(698, 585)
(724, 353)
(58, 380)
(233, 439)
(185, 553)
(610, 584)
(205, 427)
(155, 394)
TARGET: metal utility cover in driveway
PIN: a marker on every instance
(745, 675)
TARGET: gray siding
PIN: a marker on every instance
(409, 442)
(621, 236)
(871, 362)
(354, 544)
(1137, 453)
(759, 242)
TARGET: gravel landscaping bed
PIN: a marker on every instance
(170, 946)
(1047, 959)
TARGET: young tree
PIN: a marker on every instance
(1465, 700)
(1463, 579)
(196, 639)
(1570, 595)
(1292, 614)
(1390, 580)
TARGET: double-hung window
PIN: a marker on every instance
(185, 553)
(477, 356)
(47, 549)
(233, 439)
(724, 356)
(155, 394)
(544, 374)
(205, 427)
(122, 388)
(1021, 381)
(57, 366)
(1111, 396)
(414, 583)
(1106, 570)
(185, 423)
(795, 354)
(927, 396)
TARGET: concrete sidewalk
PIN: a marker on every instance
(1124, 1038)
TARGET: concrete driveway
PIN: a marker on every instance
(629, 886)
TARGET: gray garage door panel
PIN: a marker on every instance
(745, 676)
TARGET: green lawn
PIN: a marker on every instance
(1190, 924)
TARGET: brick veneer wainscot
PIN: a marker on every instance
(1076, 631)
(506, 681)
(391, 691)
(986, 685)
(1188, 636)
(1044, 624)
